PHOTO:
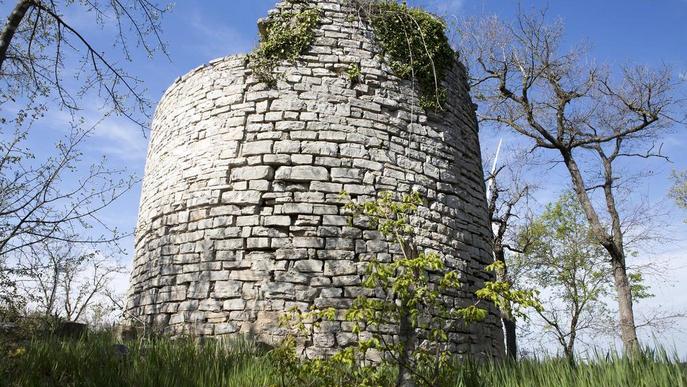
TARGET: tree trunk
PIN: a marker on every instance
(628, 330)
(506, 314)
(11, 26)
(613, 245)
(511, 338)
(406, 335)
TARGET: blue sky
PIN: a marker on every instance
(619, 31)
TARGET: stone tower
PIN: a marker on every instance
(241, 217)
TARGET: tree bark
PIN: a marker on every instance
(406, 335)
(509, 326)
(613, 244)
(628, 330)
(506, 315)
(11, 26)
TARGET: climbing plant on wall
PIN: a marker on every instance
(415, 46)
(285, 36)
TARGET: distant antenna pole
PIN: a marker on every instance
(492, 178)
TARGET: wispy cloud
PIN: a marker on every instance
(110, 136)
(215, 39)
(121, 140)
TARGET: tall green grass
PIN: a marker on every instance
(650, 369)
(93, 361)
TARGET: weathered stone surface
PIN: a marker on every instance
(241, 197)
(302, 173)
(240, 215)
(252, 173)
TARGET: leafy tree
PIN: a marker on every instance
(570, 269)
(564, 261)
(587, 117)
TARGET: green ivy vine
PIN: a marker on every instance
(415, 45)
(286, 36)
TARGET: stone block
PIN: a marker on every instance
(277, 220)
(302, 173)
(308, 266)
(340, 267)
(234, 304)
(241, 197)
(320, 148)
(257, 148)
(308, 242)
(256, 172)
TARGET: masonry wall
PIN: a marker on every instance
(240, 216)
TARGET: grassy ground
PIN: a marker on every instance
(94, 361)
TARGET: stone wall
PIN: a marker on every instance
(240, 216)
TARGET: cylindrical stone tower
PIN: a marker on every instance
(241, 217)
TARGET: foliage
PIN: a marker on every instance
(506, 296)
(564, 261)
(410, 293)
(354, 73)
(416, 46)
(92, 361)
(679, 189)
(527, 77)
(287, 35)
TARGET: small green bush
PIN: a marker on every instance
(286, 36)
(415, 44)
(354, 73)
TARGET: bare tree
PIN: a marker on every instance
(48, 62)
(55, 199)
(42, 54)
(63, 280)
(589, 117)
(507, 202)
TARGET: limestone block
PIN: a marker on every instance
(252, 173)
(234, 304)
(227, 289)
(257, 148)
(302, 173)
(308, 266)
(241, 197)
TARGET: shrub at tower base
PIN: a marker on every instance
(406, 315)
